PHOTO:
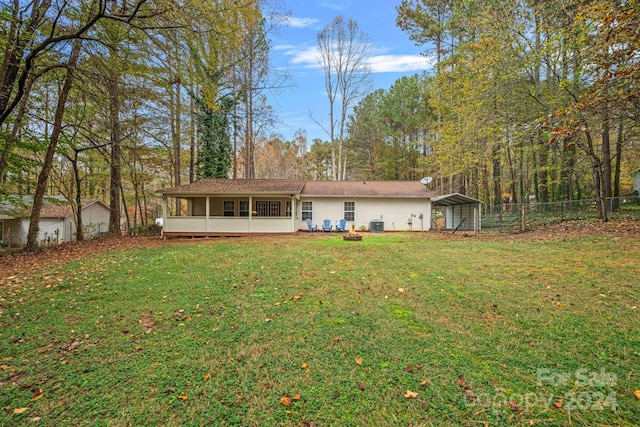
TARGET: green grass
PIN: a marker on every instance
(534, 322)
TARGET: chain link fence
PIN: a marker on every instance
(514, 218)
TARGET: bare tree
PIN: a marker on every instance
(342, 53)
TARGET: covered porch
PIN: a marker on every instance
(229, 210)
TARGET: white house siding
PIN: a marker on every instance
(395, 213)
(48, 228)
(95, 220)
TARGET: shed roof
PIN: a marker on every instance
(52, 207)
(454, 199)
(237, 186)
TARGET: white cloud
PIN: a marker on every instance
(296, 22)
(399, 63)
(307, 57)
(333, 5)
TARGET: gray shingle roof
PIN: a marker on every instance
(306, 188)
(237, 186)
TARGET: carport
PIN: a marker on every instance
(460, 212)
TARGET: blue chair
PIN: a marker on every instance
(311, 227)
(326, 225)
(341, 225)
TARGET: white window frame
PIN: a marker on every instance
(226, 211)
(307, 210)
(349, 214)
(274, 208)
(243, 208)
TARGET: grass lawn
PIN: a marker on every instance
(396, 330)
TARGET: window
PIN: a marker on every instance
(244, 208)
(274, 208)
(307, 211)
(229, 208)
(350, 211)
(261, 208)
(270, 208)
(287, 208)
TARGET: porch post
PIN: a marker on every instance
(250, 227)
(206, 214)
(293, 214)
(164, 214)
(475, 219)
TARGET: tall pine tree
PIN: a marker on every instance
(216, 154)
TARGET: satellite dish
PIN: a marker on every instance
(426, 180)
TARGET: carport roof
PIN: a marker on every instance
(454, 199)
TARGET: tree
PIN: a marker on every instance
(43, 178)
(342, 53)
(215, 155)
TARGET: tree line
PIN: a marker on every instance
(114, 99)
(530, 98)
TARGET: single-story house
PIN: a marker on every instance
(57, 220)
(218, 207)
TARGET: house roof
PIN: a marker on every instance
(237, 186)
(306, 188)
(53, 207)
(454, 199)
(366, 189)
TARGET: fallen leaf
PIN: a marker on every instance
(207, 376)
(37, 395)
(4, 367)
(358, 360)
(296, 397)
(469, 393)
(183, 396)
(514, 406)
(336, 339)
(409, 368)
(411, 394)
(336, 395)
(187, 317)
(557, 404)
(296, 297)
(423, 383)
(461, 381)
(19, 410)
(361, 387)
(636, 393)
(305, 365)
(285, 400)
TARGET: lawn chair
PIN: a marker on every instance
(326, 225)
(311, 227)
(341, 225)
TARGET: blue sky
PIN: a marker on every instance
(392, 55)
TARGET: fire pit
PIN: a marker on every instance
(351, 234)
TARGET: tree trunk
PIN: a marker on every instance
(34, 222)
(116, 158)
(607, 190)
(542, 173)
(618, 164)
(78, 210)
